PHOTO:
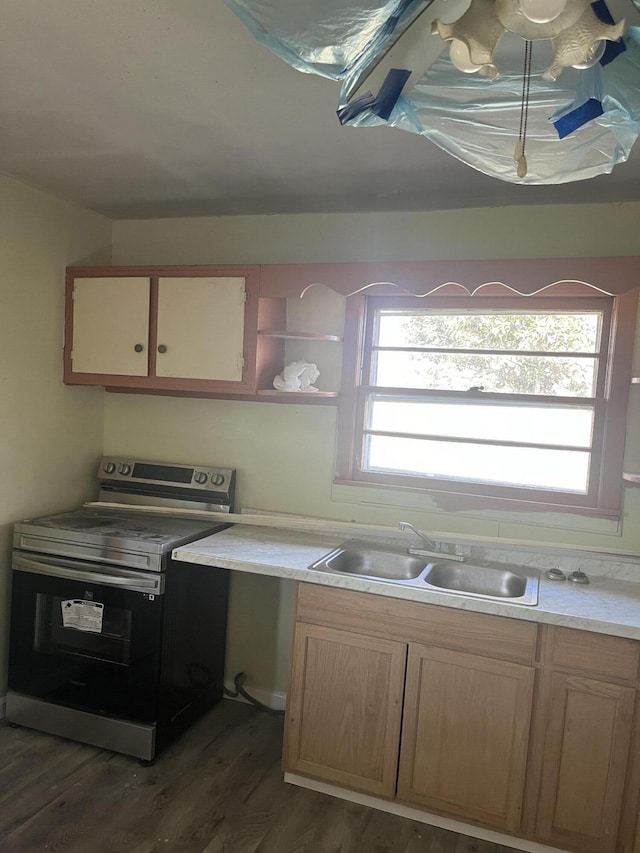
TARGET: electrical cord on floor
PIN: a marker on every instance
(238, 682)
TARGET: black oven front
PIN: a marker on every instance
(86, 637)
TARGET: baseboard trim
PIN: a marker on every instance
(420, 816)
(271, 698)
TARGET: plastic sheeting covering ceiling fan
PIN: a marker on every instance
(393, 71)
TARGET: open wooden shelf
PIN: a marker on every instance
(318, 397)
(633, 479)
(299, 336)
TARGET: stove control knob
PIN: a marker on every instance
(200, 477)
(217, 479)
(124, 469)
(109, 468)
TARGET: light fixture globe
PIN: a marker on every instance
(577, 45)
(541, 11)
(595, 55)
(479, 30)
(575, 31)
(461, 58)
(512, 18)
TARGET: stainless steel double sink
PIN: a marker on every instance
(472, 578)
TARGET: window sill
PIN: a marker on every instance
(456, 502)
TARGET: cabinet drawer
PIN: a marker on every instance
(410, 621)
(598, 654)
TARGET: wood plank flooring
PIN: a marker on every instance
(218, 789)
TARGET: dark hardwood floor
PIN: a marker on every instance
(218, 789)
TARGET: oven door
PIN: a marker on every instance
(85, 637)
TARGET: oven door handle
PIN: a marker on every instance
(134, 581)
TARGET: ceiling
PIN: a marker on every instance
(156, 108)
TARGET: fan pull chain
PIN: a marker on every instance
(519, 155)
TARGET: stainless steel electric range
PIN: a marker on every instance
(112, 642)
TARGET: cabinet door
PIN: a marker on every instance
(464, 735)
(344, 708)
(201, 328)
(587, 736)
(110, 328)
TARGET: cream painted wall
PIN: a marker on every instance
(509, 232)
(50, 435)
(285, 453)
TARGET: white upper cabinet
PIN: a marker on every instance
(154, 329)
(111, 326)
(201, 328)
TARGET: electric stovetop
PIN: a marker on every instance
(85, 533)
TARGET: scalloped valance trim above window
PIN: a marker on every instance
(610, 276)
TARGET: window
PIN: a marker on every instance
(499, 399)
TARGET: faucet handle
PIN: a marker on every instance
(578, 577)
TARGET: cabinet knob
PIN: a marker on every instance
(162, 348)
(138, 348)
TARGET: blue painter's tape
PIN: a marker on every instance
(611, 51)
(383, 103)
(355, 108)
(602, 12)
(613, 48)
(577, 118)
(389, 92)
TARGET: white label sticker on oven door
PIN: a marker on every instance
(82, 615)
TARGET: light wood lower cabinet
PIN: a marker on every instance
(457, 723)
(344, 708)
(465, 735)
(583, 765)
(585, 753)
(525, 729)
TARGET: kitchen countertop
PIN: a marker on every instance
(607, 605)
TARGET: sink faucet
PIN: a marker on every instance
(431, 544)
(433, 549)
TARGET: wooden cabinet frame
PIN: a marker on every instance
(570, 776)
(157, 384)
(494, 652)
(263, 342)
